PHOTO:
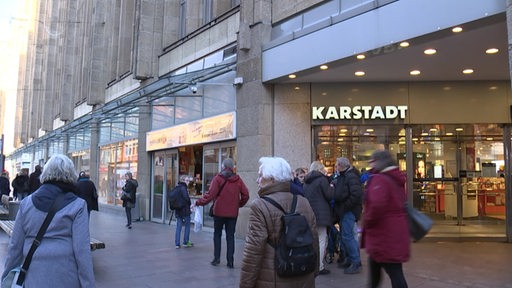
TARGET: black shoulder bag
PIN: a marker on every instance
(210, 212)
(55, 207)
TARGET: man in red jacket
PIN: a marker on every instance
(229, 193)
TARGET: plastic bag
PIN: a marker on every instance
(198, 218)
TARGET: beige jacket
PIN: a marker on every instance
(265, 223)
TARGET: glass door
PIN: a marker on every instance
(165, 174)
(458, 178)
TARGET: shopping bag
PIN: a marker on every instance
(419, 223)
(198, 218)
(10, 280)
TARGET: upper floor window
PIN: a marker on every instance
(183, 19)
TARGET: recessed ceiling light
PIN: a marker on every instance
(292, 76)
(433, 130)
(360, 56)
(414, 139)
(468, 71)
(415, 72)
(493, 88)
(456, 29)
(489, 138)
(359, 73)
(449, 134)
(296, 88)
(430, 51)
(404, 44)
(369, 130)
(424, 134)
(324, 67)
(492, 51)
(324, 93)
(459, 129)
(343, 130)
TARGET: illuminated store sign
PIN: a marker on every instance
(217, 128)
(358, 112)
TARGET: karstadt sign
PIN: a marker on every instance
(358, 112)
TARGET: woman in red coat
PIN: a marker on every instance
(386, 233)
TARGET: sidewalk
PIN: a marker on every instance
(145, 256)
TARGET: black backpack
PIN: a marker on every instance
(176, 201)
(295, 254)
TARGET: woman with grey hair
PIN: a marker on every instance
(258, 270)
(63, 258)
(385, 231)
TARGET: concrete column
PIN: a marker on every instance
(254, 101)
(144, 162)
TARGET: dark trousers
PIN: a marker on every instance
(229, 224)
(128, 215)
(394, 271)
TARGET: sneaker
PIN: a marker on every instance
(178, 246)
(188, 244)
(230, 265)
(215, 262)
(324, 272)
(354, 268)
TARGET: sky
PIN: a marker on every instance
(8, 67)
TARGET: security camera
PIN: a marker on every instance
(193, 88)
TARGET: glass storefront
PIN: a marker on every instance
(200, 162)
(115, 160)
(458, 173)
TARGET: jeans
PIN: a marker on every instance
(394, 270)
(349, 238)
(128, 211)
(179, 223)
(322, 239)
(229, 224)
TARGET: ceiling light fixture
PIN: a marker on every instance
(292, 76)
(430, 51)
(468, 71)
(449, 134)
(492, 51)
(459, 129)
(324, 67)
(457, 29)
(359, 73)
(415, 72)
(360, 56)
(369, 130)
(404, 44)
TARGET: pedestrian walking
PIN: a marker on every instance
(87, 191)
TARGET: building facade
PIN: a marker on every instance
(164, 88)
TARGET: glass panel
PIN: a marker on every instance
(158, 186)
(163, 113)
(324, 11)
(188, 109)
(220, 96)
(211, 166)
(356, 143)
(458, 178)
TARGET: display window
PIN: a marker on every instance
(115, 160)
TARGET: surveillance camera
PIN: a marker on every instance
(193, 89)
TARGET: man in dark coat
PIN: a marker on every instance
(87, 191)
(21, 184)
(5, 189)
(348, 206)
(33, 181)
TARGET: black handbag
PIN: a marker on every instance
(419, 223)
(210, 212)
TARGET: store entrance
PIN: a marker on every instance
(458, 178)
(165, 176)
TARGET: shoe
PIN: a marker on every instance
(230, 265)
(126, 225)
(329, 259)
(188, 244)
(354, 268)
(344, 264)
(324, 272)
(130, 227)
(178, 246)
(215, 262)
